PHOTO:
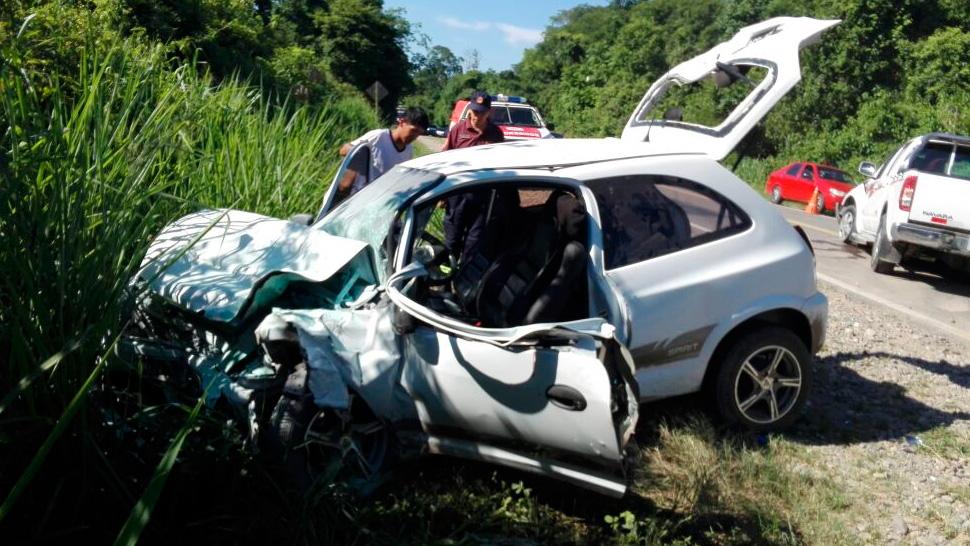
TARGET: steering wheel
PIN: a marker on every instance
(434, 254)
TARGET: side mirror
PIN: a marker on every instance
(867, 169)
(551, 127)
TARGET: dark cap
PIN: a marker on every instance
(480, 101)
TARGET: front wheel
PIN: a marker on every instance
(846, 223)
(353, 447)
(820, 203)
(764, 380)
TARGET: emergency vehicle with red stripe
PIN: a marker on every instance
(517, 119)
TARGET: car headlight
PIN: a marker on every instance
(836, 193)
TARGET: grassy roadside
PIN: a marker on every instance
(421, 149)
(694, 484)
(93, 164)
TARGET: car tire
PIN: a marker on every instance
(846, 216)
(776, 194)
(820, 203)
(353, 447)
(881, 249)
(764, 379)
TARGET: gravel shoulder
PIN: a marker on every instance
(890, 423)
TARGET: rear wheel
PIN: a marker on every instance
(881, 249)
(764, 380)
(776, 194)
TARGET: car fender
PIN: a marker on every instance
(684, 376)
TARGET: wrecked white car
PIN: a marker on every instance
(605, 273)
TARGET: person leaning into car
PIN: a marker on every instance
(388, 147)
(465, 213)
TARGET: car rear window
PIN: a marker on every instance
(833, 174)
(932, 158)
(644, 217)
(935, 157)
(961, 163)
(793, 170)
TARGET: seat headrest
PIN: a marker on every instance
(570, 216)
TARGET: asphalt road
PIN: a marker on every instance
(922, 295)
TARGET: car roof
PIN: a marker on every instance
(513, 104)
(814, 164)
(946, 137)
(536, 154)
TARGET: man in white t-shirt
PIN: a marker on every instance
(388, 147)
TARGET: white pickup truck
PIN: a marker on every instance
(916, 206)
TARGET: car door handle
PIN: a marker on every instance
(566, 397)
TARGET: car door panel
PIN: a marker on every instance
(508, 395)
(555, 389)
(789, 182)
(358, 157)
(806, 183)
(878, 187)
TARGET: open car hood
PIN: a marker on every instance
(772, 45)
(215, 262)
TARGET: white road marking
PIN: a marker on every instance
(956, 332)
(816, 228)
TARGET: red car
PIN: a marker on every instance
(797, 181)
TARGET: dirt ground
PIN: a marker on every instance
(890, 423)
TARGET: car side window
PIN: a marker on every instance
(889, 161)
(793, 170)
(647, 216)
(808, 173)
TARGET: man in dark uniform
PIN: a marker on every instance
(466, 213)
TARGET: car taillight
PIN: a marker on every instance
(906, 195)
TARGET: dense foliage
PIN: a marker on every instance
(888, 71)
(115, 118)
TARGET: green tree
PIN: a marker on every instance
(431, 73)
(361, 43)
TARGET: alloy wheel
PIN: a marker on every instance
(846, 219)
(768, 384)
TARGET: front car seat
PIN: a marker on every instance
(534, 281)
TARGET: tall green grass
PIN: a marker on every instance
(92, 164)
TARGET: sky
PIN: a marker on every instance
(500, 30)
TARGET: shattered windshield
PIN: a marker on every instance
(369, 214)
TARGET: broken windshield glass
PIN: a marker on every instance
(369, 215)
